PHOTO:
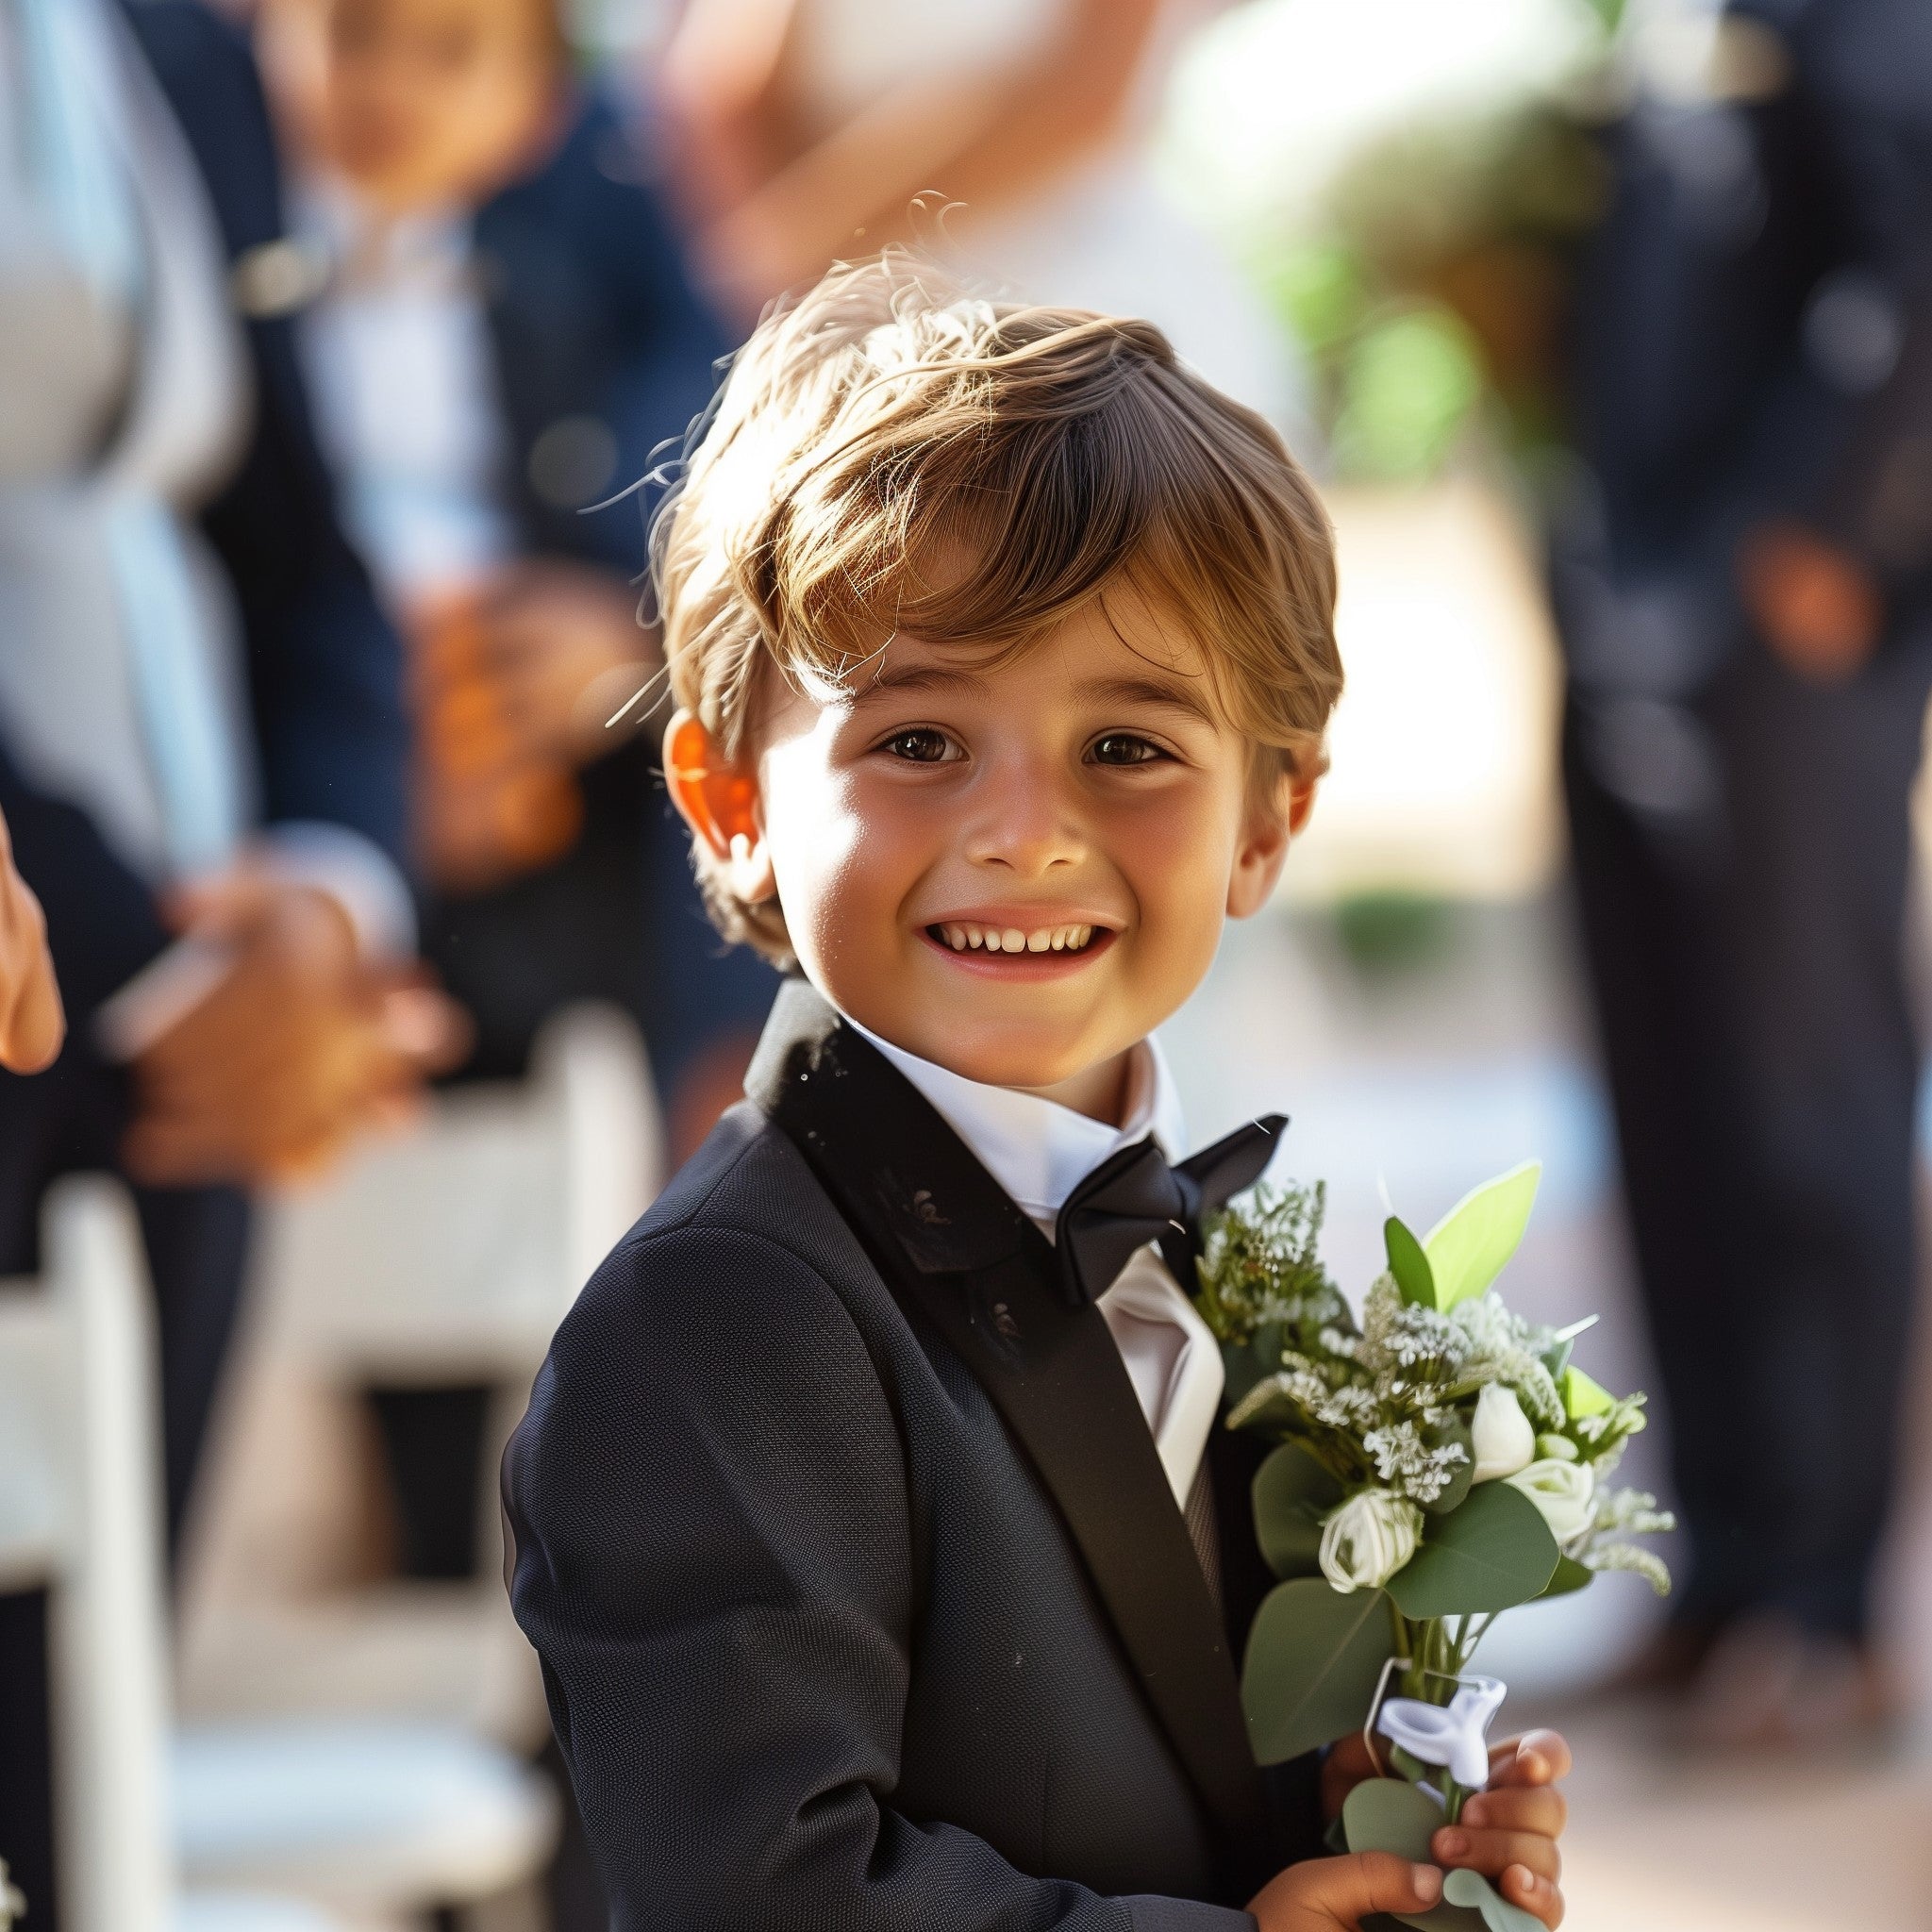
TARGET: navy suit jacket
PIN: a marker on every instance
(1755, 313)
(862, 1600)
(324, 667)
(604, 352)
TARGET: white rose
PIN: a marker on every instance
(1500, 1435)
(1368, 1539)
(1562, 1491)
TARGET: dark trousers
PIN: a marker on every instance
(1742, 883)
(63, 1122)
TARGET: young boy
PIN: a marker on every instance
(873, 1523)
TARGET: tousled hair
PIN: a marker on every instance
(890, 453)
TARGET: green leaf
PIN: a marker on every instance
(1314, 1658)
(1291, 1493)
(1581, 1396)
(1455, 1430)
(1267, 1346)
(1241, 1372)
(1570, 1576)
(1472, 1891)
(1385, 1814)
(1491, 1554)
(1468, 1247)
(1408, 1264)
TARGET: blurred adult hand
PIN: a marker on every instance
(32, 1025)
(515, 684)
(1817, 610)
(562, 649)
(301, 1047)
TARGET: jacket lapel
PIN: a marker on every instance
(950, 1241)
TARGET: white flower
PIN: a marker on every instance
(1564, 1491)
(1368, 1539)
(1500, 1434)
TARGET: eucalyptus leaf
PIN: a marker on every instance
(1408, 1264)
(1385, 1814)
(1314, 1659)
(1472, 1891)
(1468, 1248)
(1291, 1493)
(1569, 1577)
(1492, 1552)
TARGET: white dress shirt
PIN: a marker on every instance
(399, 360)
(1039, 1152)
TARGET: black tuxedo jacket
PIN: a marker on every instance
(861, 1597)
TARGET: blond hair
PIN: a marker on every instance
(891, 454)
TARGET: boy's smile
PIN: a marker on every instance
(1016, 868)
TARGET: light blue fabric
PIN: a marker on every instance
(187, 739)
(70, 71)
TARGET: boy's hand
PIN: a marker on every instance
(1324, 1894)
(1509, 1832)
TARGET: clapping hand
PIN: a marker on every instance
(300, 1047)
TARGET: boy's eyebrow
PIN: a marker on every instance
(1182, 696)
(900, 678)
(1173, 696)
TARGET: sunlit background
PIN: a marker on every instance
(1397, 189)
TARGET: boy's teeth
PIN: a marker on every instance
(1010, 939)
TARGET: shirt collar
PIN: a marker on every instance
(1038, 1150)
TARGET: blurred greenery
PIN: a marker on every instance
(1420, 259)
(1408, 386)
(1386, 935)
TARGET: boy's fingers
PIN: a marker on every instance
(1492, 1853)
(1539, 1895)
(1519, 1807)
(1381, 1882)
(1537, 1758)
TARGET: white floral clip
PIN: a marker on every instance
(1456, 1737)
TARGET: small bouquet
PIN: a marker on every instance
(1437, 1464)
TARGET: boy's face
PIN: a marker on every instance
(1088, 791)
(429, 102)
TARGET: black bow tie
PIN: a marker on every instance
(1134, 1197)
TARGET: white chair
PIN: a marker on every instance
(80, 1513)
(446, 1257)
(450, 1256)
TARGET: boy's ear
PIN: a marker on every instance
(1275, 820)
(719, 801)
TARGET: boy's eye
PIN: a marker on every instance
(1125, 748)
(920, 746)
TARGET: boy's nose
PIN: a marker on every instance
(1025, 827)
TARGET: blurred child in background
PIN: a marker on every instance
(504, 337)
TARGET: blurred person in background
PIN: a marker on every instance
(502, 339)
(1746, 593)
(203, 742)
(808, 129)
